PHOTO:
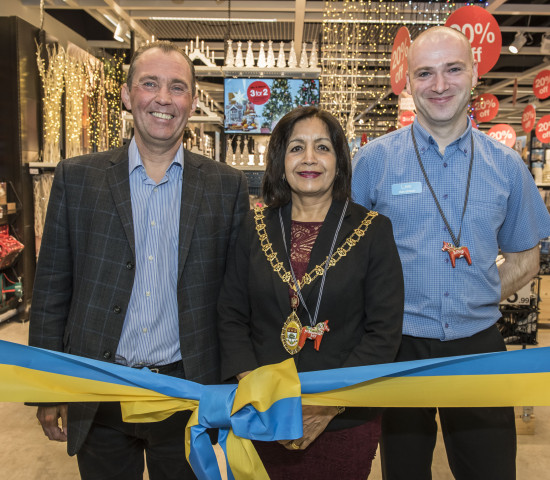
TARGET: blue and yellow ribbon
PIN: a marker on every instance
(266, 405)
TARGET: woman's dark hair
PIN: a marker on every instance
(275, 188)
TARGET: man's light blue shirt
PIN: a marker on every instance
(504, 210)
(150, 335)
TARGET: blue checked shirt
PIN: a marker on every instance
(504, 210)
(150, 335)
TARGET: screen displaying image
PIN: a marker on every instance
(256, 105)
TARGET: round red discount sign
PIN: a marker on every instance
(258, 92)
(528, 118)
(398, 67)
(482, 30)
(541, 85)
(485, 107)
(543, 129)
(503, 133)
(406, 118)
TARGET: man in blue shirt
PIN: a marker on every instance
(130, 268)
(455, 197)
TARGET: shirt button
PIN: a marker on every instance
(129, 266)
(117, 309)
(446, 294)
(155, 189)
(144, 330)
(150, 258)
(446, 260)
(445, 164)
(106, 355)
(446, 325)
(153, 223)
(445, 197)
(147, 294)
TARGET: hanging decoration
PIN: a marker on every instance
(355, 54)
(52, 72)
(114, 78)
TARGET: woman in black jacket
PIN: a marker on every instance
(280, 293)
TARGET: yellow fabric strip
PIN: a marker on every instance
(267, 385)
(21, 384)
(453, 391)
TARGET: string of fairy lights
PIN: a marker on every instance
(357, 40)
(87, 90)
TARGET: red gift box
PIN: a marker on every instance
(10, 248)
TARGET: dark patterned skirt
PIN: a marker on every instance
(341, 454)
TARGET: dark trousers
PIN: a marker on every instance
(480, 442)
(115, 450)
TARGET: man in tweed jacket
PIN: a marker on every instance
(130, 267)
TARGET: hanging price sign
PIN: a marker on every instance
(528, 118)
(482, 30)
(258, 92)
(543, 129)
(485, 107)
(503, 133)
(398, 67)
(541, 85)
(406, 118)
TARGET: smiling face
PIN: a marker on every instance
(160, 99)
(310, 160)
(440, 78)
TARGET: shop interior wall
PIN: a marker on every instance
(19, 135)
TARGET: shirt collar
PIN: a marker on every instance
(134, 158)
(425, 140)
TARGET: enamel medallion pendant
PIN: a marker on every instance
(290, 334)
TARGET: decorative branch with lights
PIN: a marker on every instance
(52, 76)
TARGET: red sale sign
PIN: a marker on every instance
(503, 133)
(398, 67)
(485, 107)
(258, 92)
(482, 30)
(406, 118)
(541, 85)
(543, 129)
(528, 118)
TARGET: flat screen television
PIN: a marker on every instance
(255, 105)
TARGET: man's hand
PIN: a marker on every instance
(315, 419)
(49, 419)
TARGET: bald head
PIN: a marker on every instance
(433, 36)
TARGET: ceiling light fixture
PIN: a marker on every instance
(121, 31)
(203, 19)
(519, 41)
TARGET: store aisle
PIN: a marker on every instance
(26, 454)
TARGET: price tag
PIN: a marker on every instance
(503, 133)
(398, 67)
(528, 118)
(258, 92)
(541, 85)
(485, 107)
(406, 118)
(482, 30)
(543, 129)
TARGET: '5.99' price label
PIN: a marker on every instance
(258, 92)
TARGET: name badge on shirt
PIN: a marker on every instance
(406, 188)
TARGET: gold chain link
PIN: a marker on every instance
(278, 266)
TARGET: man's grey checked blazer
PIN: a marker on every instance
(86, 266)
